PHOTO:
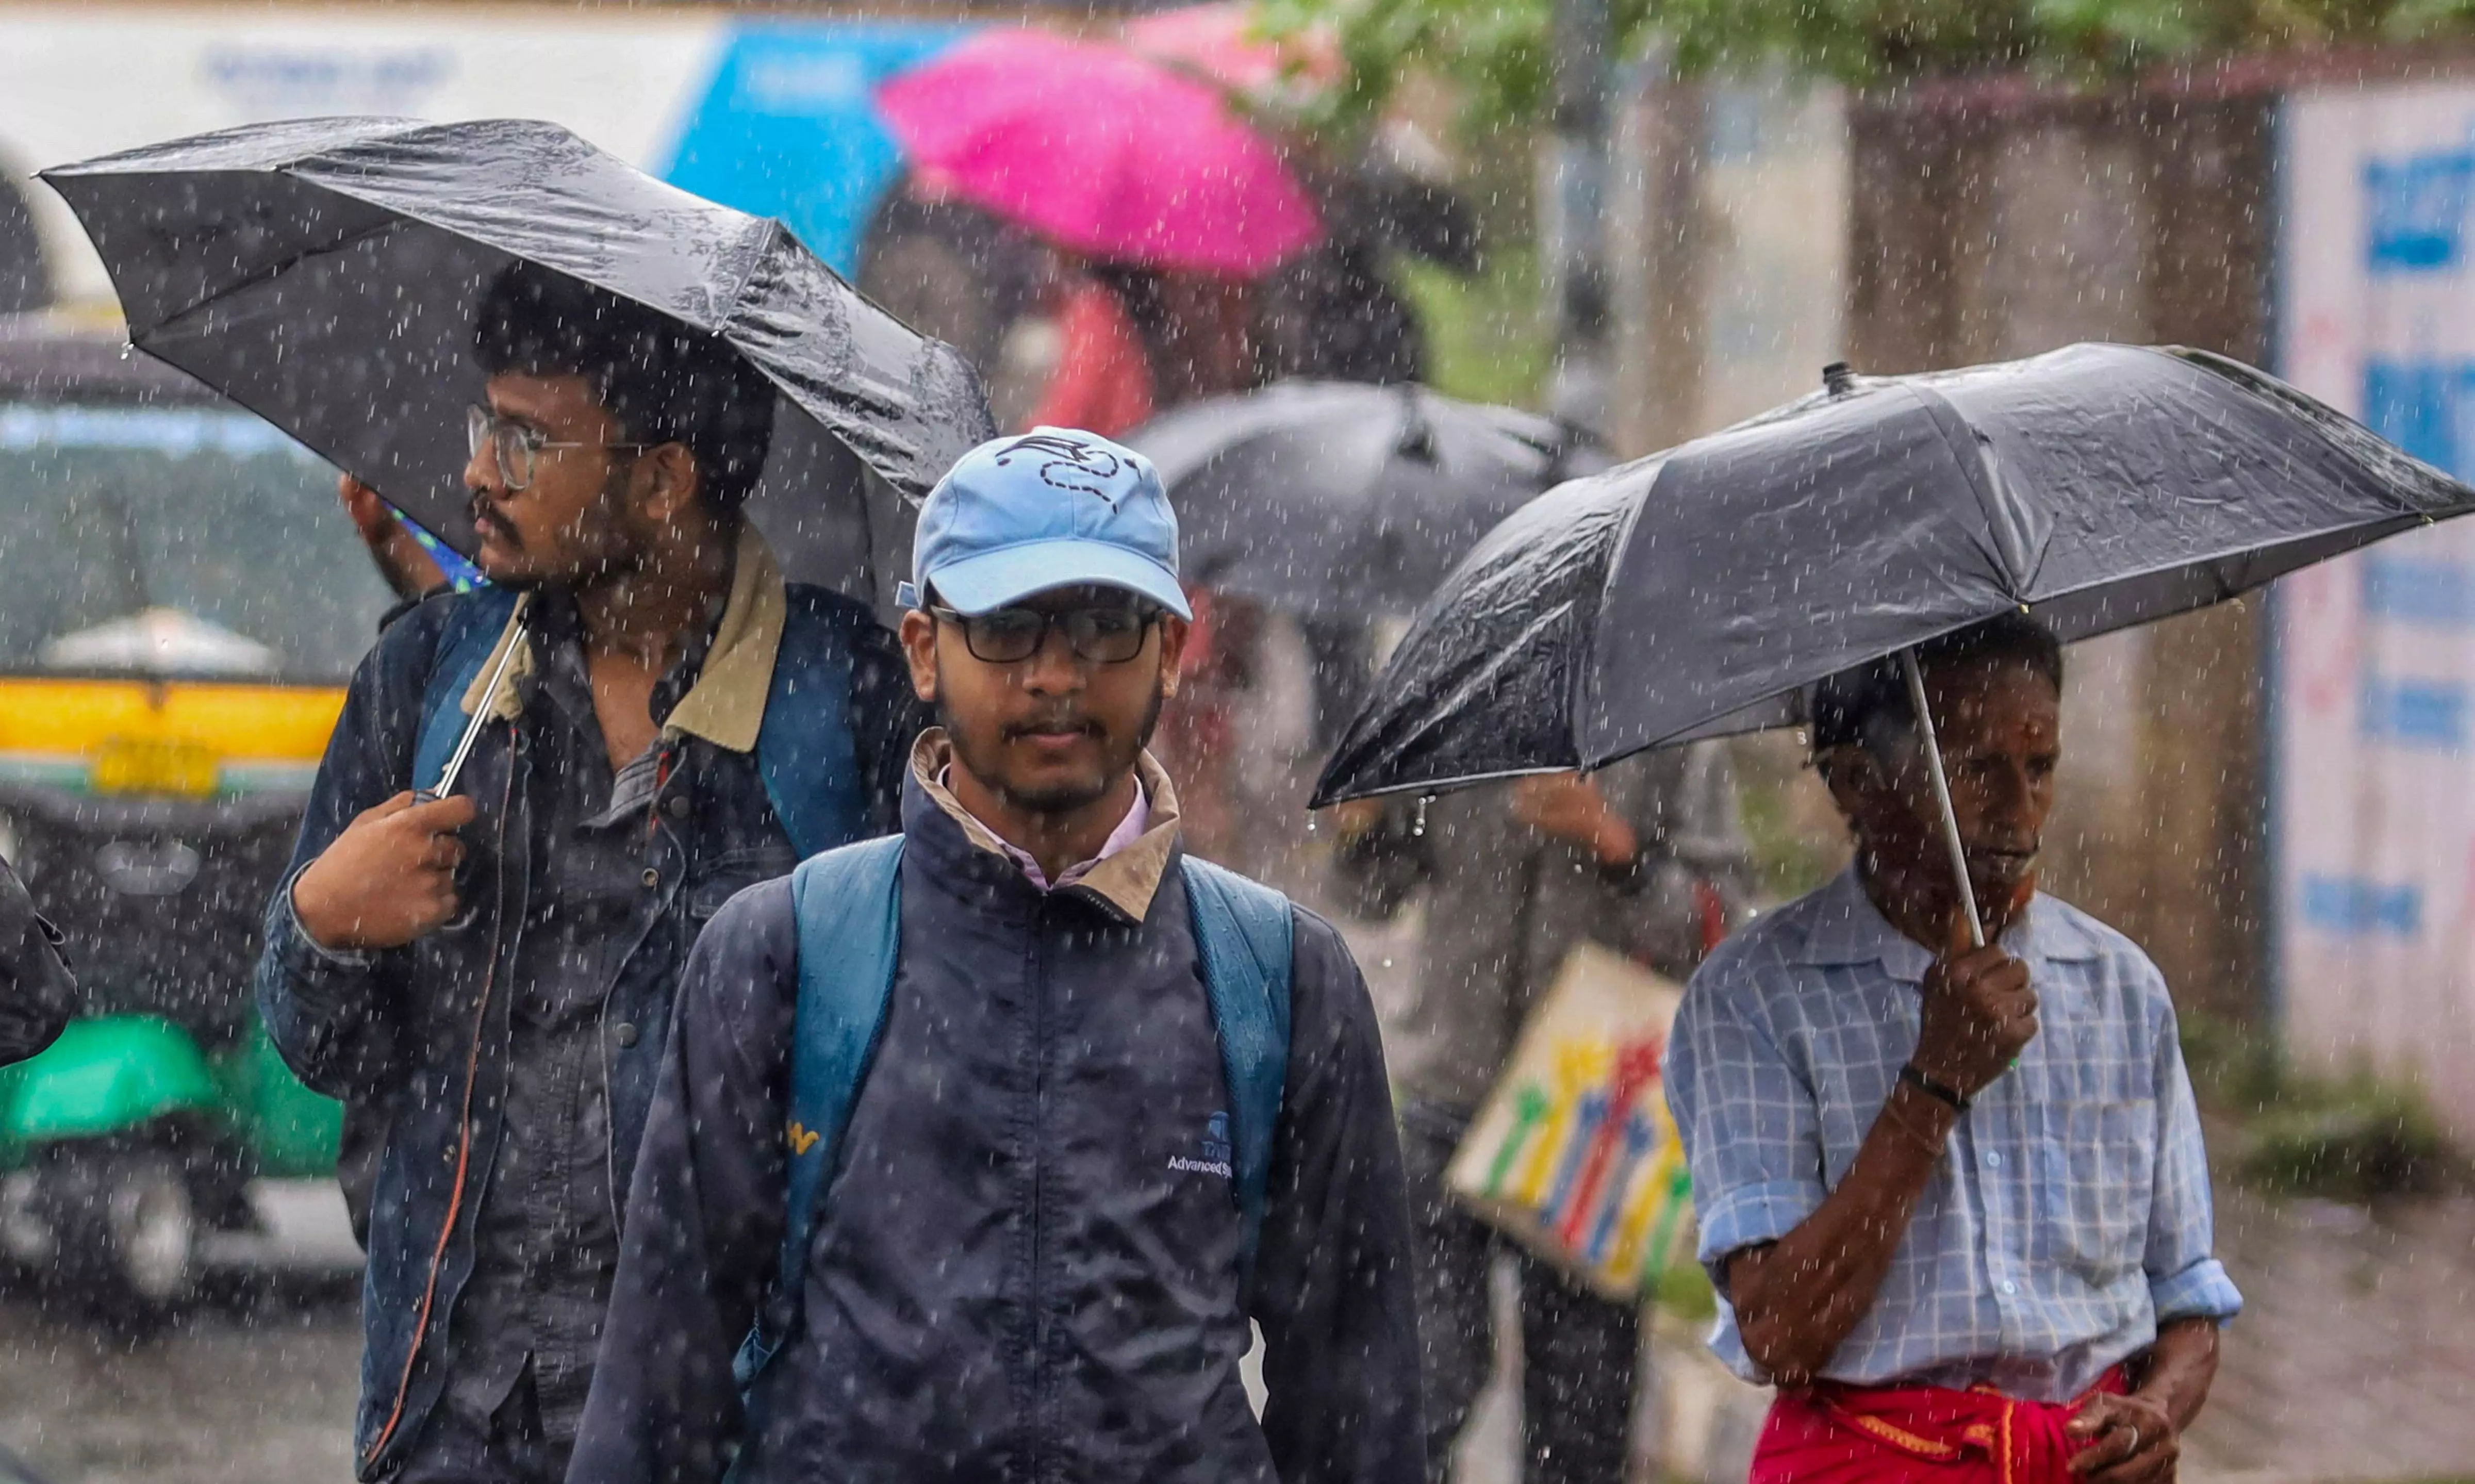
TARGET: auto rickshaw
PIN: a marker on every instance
(180, 605)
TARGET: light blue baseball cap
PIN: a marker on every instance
(1051, 508)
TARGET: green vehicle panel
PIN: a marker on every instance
(106, 1075)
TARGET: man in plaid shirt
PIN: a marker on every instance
(1954, 1198)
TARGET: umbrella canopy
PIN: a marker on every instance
(325, 273)
(1101, 151)
(1700, 592)
(1342, 499)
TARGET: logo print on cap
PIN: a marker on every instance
(1086, 467)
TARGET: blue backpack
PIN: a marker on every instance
(849, 906)
(803, 748)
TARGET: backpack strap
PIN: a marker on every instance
(847, 904)
(1245, 937)
(465, 640)
(804, 751)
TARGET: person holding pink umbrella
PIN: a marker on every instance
(1100, 152)
(1163, 203)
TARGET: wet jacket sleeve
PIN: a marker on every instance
(703, 1229)
(329, 1013)
(37, 994)
(1332, 1277)
(887, 715)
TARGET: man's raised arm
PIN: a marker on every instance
(1801, 1267)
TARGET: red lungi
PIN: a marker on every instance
(1832, 1434)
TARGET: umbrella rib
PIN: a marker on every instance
(763, 253)
(270, 273)
(1951, 424)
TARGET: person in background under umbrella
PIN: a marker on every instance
(37, 993)
(1645, 856)
(1140, 340)
(1954, 1198)
(486, 979)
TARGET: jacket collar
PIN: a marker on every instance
(1845, 927)
(726, 704)
(1125, 883)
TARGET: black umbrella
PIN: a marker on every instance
(1702, 591)
(1340, 498)
(324, 274)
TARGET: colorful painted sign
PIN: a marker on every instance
(2374, 669)
(1576, 1155)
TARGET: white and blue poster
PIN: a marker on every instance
(775, 116)
(2374, 823)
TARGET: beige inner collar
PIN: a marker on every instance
(726, 704)
(1125, 882)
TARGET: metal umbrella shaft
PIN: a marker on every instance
(447, 775)
(1916, 676)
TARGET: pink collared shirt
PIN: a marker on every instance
(1130, 829)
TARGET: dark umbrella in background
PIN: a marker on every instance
(1701, 591)
(324, 274)
(1341, 499)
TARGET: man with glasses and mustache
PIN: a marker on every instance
(977, 1150)
(486, 977)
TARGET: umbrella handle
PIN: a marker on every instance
(1915, 677)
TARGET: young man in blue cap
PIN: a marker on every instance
(978, 1149)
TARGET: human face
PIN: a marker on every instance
(571, 525)
(1999, 724)
(1053, 733)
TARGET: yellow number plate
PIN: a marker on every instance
(130, 765)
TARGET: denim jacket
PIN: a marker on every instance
(415, 1040)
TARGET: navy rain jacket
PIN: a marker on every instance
(1027, 1267)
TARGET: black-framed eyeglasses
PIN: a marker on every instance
(1110, 635)
(516, 447)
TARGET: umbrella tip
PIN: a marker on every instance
(1839, 379)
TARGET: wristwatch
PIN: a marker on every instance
(1933, 1088)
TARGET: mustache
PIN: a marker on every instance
(484, 513)
(2006, 854)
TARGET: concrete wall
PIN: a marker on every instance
(1991, 224)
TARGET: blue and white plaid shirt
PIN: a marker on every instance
(2070, 1214)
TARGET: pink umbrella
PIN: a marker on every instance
(1101, 151)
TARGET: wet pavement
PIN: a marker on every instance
(254, 1388)
(253, 1384)
(2355, 1356)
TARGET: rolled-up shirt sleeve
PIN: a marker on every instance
(2185, 1281)
(1751, 1130)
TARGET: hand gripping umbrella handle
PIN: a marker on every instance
(1942, 795)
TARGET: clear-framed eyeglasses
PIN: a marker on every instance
(516, 447)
